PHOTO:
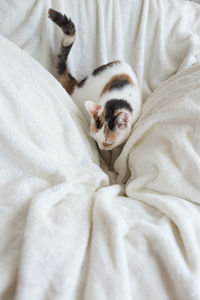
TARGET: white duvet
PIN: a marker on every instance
(65, 231)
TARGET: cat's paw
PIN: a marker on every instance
(62, 21)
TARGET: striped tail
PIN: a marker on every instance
(68, 28)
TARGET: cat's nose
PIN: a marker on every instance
(106, 145)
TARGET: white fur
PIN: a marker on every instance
(68, 40)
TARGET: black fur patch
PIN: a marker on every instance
(62, 21)
(98, 124)
(62, 57)
(118, 84)
(68, 28)
(82, 82)
(100, 69)
(112, 106)
(71, 78)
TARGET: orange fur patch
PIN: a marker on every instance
(94, 128)
(68, 82)
(102, 116)
(101, 119)
(111, 136)
(118, 77)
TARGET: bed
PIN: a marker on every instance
(67, 229)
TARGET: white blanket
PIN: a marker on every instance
(65, 233)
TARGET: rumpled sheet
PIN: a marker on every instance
(65, 232)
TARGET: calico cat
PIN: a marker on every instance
(110, 94)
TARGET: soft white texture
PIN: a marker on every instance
(49, 172)
(59, 239)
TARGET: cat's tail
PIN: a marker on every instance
(68, 28)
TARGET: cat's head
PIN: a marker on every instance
(110, 123)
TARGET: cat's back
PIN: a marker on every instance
(91, 87)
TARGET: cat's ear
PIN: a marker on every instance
(92, 108)
(122, 119)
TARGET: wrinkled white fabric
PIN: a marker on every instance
(65, 233)
(48, 174)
